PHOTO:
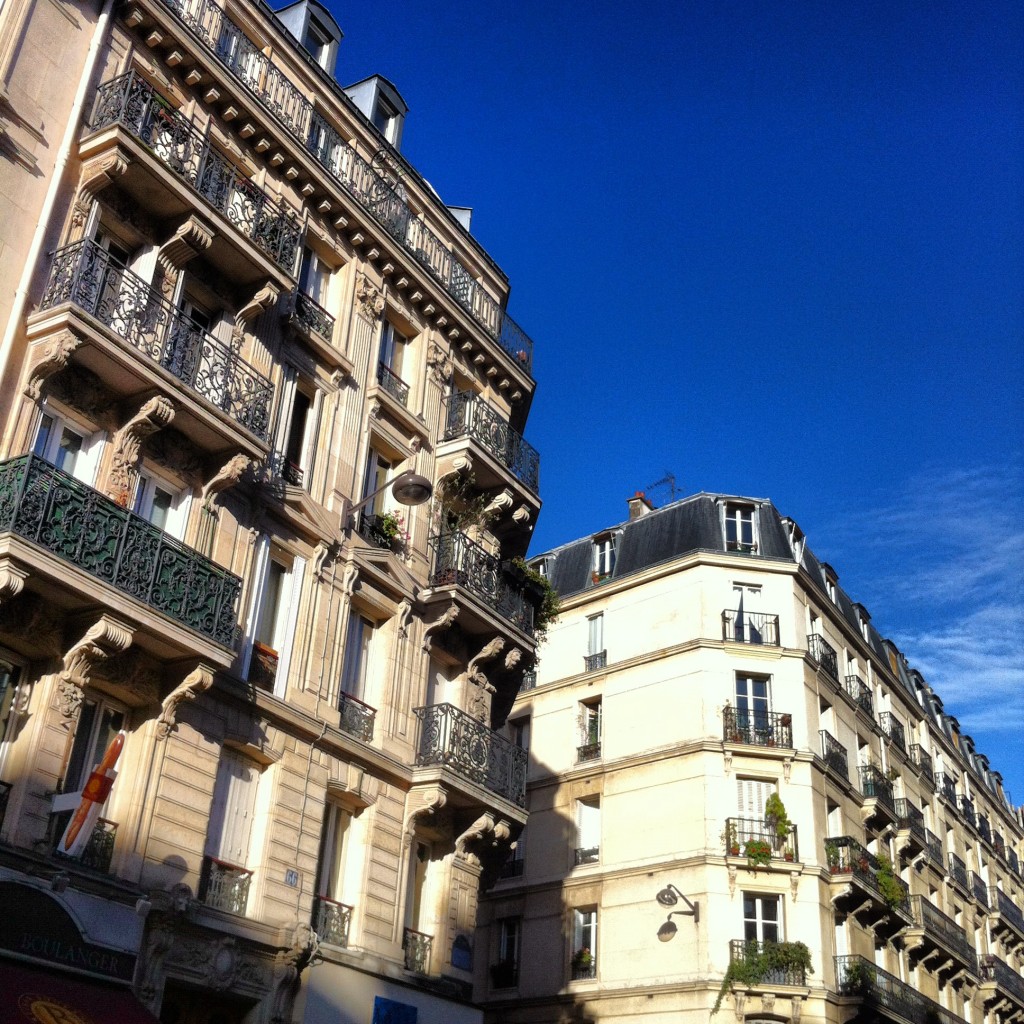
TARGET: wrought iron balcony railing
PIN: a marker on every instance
(386, 531)
(450, 737)
(967, 811)
(946, 785)
(933, 847)
(312, 317)
(587, 855)
(744, 627)
(588, 751)
(332, 921)
(998, 845)
(757, 728)
(392, 384)
(356, 717)
(5, 796)
(893, 728)
(505, 974)
(48, 508)
(739, 832)
(923, 762)
(85, 274)
(99, 850)
(845, 856)
(992, 969)
(512, 868)
(945, 931)
(583, 969)
(823, 653)
(224, 886)
(861, 694)
(364, 183)
(984, 829)
(857, 976)
(1001, 904)
(594, 662)
(958, 872)
(470, 416)
(529, 681)
(834, 754)
(911, 819)
(461, 561)
(747, 950)
(979, 889)
(874, 784)
(417, 946)
(131, 102)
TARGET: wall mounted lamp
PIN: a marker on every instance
(670, 897)
(407, 488)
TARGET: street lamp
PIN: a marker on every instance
(407, 488)
(669, 897)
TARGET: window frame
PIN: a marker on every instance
(738, 515)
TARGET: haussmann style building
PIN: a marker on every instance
(232, 316)
(742, 796)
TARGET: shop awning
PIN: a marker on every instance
(45, 995)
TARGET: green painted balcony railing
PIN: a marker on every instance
(48, 508)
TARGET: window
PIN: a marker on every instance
(590, 731)
(505, 973)
(514, 866)
(225, 881)
(389, 367)
(384, 118)
(338, 874)
(98, 723)
(749, 624)
(69, 447)
(160, 503)
(519, 732)
(739, 528)
(762, 917)
(751, 797)
(276, 607)
(10, 674)
(317, 40)
(297, 428)
(588, 830)
(584, 943)
(752, 708)
(604, 557)
(377, 470)
(314, 277)
(596, 657)
(357, 656)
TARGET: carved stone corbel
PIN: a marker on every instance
(369, 300)
(12, 578)
(794, 884)
(154, 415)
(487, 652)
(54, 357)
(727, 759)
(191, 239)
(474, 834)
(732, 869)
(521, 515)
(787, 767)
(740, 1003)
(349, 579)
(501, 502)
(105, 638)
(97, 174)
(513, 658)
(428, 802)
(263, 299)
(288, 965)
(451, 613)
(439, 364)
(227, 476)
(404, 618)
(198, 680)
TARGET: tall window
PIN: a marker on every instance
(604, 557)
(590, 731)
(225, 882)
(296, 437)
(165, 506)
(98, 723)
(67, 446)
(338, 875)
(751, 797)
(752, 706)
(519, 732)
(595, 633)
(10, 674)
(748, 624)
(739, 528)
(274, 616)
(588, 830)
(357, 656)
(506, 972)
(584, 942)
(762, 917)
(377, 470)
(392, 347)
(314, 277)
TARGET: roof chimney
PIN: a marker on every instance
(639, 505)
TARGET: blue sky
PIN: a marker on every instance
(776, 249)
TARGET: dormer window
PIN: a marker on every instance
(541, 567)
(739, 528)
(384, 115)
(317, 40)
(604, 557)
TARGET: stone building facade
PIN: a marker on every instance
(741, 795)
(233, 314)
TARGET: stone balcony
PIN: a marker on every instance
(938, 942)
(862, 885)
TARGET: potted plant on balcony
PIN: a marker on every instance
(888, 883)
(857, 977)
(832, 858)
(730, 839)
(540, 593)
(582, 962)
(776, 819)
(758, 852)
(762, 959)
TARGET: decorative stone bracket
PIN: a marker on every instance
(107, 637)
(52, 359)
(154, 415)
(198, 680)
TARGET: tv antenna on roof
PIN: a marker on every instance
(669, 481)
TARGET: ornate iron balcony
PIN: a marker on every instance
(873, 784)
(312, 317)
(923, 762)
(450, 737)
(131, 102)
(588, 752)
(967, 811)
(83, 527)
(861, 694)
(893, 728)
(364, 183)
(845, 856)
(587, 855)
(470, 416)
(386, 531)
(984, 829)
(757, 728)
(392, 384)
(356, 717)
(958, 872)
(992, 969)
(739, 832)
(1001, 904)
(944, 930)
(583, 968)
(823, 653)
(933, 846)
(332, 921)
(998, 845)
(834, 754)
(461, 561)
(594, 662)
(416, 946)
(224, 886)
(85, 274)
(857, 976)
(911, 819)
(979, 888)
(747, 950)
(750, 627)
(946, 785)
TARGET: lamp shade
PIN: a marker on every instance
(411, 489)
